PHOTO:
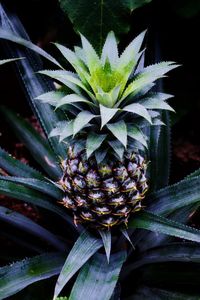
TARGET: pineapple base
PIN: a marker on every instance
(105, 195)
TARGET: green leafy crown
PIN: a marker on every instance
(109, 99)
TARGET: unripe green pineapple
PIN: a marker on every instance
(108, 103)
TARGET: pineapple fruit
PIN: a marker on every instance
(108, 103)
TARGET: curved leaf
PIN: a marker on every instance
(22, 193)
(69, 79)
(73, 98)
(16, 167)
(98, 277)
(148, 76)
(45, 187)
(153, 104)
(83, 249)
(138, 109)
(37, 145)
(82, 119)
(10, 36)
(146, 240)
(23, 223)
(171, 198)
(5, 61)
(33, 84)
(15, 277)
(152, 222)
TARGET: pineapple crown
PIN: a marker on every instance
(108, 101)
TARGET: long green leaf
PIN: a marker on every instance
(16, 167)
(22, 193)
(37, 145)
(152, 222)
(34, 85)
(148, 76)
(171, 198)
(10, 36)
(23, 223)
(68, 78)
(5, 61)
(146, 240)
(45, 187)
(159, 152)
(98, 279)
(15, 277)
(83, 249)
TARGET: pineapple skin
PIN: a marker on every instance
(105, 195)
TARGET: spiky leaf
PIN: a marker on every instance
(107, 240)
(19, 275)
(135, 133)
(82, 119)
(107, 114)
(138, 109)
(119, 130)
(93, 142)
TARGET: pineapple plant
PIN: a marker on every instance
(107, 102)
(110, 150)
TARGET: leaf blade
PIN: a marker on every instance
(119, 130)
(83, 249)
(98, 277)
(23, 223)
(152, 222)
(17, 276)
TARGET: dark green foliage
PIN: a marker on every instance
(103, 17)
(158, 267)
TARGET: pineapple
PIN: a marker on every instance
(108, 102)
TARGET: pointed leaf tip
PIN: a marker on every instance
(106, 114)
(82, 119)
(119, 130)
(106, 238)
(93, 142)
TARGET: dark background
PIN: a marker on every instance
(173, 34)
